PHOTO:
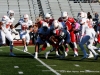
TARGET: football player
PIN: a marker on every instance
(5, 33)
(24, 33)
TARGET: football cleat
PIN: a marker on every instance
(84, 57)
(12, 54)
(25, 49)
(75, 53)
(46, 55)
(96, 57)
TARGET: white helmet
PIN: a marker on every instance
(47, 15)
(64, 15)
(85, 15)
(56, 24)
(45, 24)
(10, 13)
(25, 17)
(82, 15)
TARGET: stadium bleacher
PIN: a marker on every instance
(54, 7)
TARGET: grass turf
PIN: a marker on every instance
(30, 66)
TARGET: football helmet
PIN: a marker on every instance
(25, 17)
(10, 13)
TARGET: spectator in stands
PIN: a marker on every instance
(89, 15)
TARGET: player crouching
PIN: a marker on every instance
(56, 39)
(43, 34)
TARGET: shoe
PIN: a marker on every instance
(98, 50)
(75, 53)
(96, 57)
(35, 56)
(84, 57)
(25, 49)
(65, 54)
(46, 55)
(57, 55)
(12, 54)
(90, 56)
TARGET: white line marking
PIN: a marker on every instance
(77, 65)
(20, 72)
(48, 65)
(16, 66)
(51, 69)
(87, 71)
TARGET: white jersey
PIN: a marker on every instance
(25, 25)
(12, 19)
(87, 28)
(6, 23)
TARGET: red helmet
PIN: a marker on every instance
(71, 20)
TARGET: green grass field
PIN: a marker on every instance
(25, 64)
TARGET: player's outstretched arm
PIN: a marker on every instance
(17, 25)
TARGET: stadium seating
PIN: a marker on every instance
(54, 7)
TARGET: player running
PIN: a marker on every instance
(24, 33)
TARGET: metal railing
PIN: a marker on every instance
(30, 10)
(59, 6)
(50, 9)
(70, 8)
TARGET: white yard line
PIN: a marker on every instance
(51, 69)
(76, 65)
(48, 65)
(20, 72)
(16, 66)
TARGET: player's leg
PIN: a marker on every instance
(27, 37)
(81, 45)
(9, 37)
(48, 52)
(73, 40)
(37, 46)
(90, 47)
(67, 41)
(23, 37)
(3, 39)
